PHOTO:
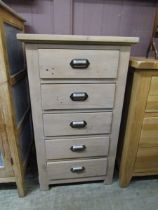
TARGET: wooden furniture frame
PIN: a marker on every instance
(139, 130)
(49, 50)
(13, 125)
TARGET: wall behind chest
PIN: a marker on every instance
(90, 17)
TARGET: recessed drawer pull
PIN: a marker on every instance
(78, 148)
(78, 124)
(79, 96)
(79, 63)
(77, 169)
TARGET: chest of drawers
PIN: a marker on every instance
(77, 88)
(140, 140)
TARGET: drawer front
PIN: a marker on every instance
(152, 100)
(77, 123)
(147, 160)
(149, 133)
(75, 96)
(76, 169)
(68, 63)
(77, 147)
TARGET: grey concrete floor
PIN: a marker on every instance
(142, 194)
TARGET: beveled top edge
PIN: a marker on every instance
(48, 38)
(144, 63)
(6, 7)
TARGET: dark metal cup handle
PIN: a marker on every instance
(77, 169)
(78, 148)
(79, 96)
(79, 63)
(78, 124)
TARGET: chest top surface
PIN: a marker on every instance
(71, 39)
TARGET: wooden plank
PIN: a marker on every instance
(152, 100)
(139, 63)
(10, 11)
(6, 170)
(34, 80)
(141, 84)
(117, 112)
(59, 124)
(62, 169)
(91, 147)
(97, 17)
(63, 16)
(12, 138)
(3, 74)
(102, 63)
(63, 39)
(6, 102)
(7, 179)
(58, 96)
(17, 77)
(37, 14)
(80, 180)
(147, 160)
(12, 20)
(149, 133)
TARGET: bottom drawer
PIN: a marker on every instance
(76, 169)
(147, 160)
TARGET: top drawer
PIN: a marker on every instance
(78, 64)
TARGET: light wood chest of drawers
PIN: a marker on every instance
(140, 141)
(77, 88)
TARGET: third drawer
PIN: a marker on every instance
(77, 147)
(77, 123)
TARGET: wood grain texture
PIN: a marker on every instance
(77, 180)
(97, 123)
(149, 133)
(63, 16)
(146, 160)
(8, 133)
(62, 169)
(32, 58)
(102, 64)
(131, 140)
(61, 148)
(144, 63)
(95, 17)
(57, 96)
(48, 38)
(152, 101)
(6, 170)
(140, 150)
(117, 111)
(9, 10)
(53, 126)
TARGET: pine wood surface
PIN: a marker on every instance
(140, 147)
(11, 129)
(54, 125)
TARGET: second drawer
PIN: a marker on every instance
(77, 147)
(77, 96)
(77, 123)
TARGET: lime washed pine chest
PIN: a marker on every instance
(77, 86)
